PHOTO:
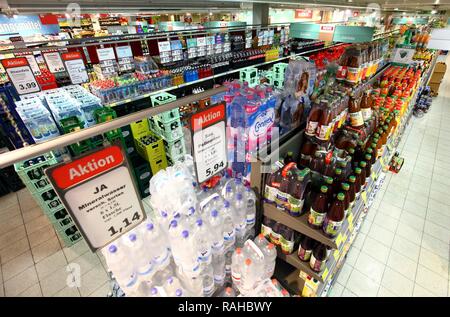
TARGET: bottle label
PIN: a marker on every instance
(208, 289)
(281, 199)
(266, 231)
(323, 133)
(218, 279)
(315, 218)
(311, 128)
(304, 254)
(331, 227)
(366, 113)
(286, 246)
(295, 206)
(356, 119)
(270, 194)
(228, 236)
(236, 277)
(250, 219)
(316, 265)
(275, 238)
(306, 158)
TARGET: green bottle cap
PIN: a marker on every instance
(370, 150)
(368, 157)
(352, 179)
(363, 164)
(340, 196)
(357, 170)
(351, 151)
(324, 189)
(328, 180)
(342, 164)
(338, 171)
(290, 153)
(345, 186)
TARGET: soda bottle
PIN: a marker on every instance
(324, 128)
(356, 117)
(306, 153)
(363, 178)
(329, 182)
(335, 216)
(305, 248)
(318, 209)
(287, 240)
(346, 191)
(352, 190)
(318, 258)
(316, 163)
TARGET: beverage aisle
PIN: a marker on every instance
(403, 247)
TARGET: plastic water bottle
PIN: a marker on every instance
(270, 255)
(247, 277)
(218, 264)
(141, 255)
(171, 285)
(228, 194)
(203, 242)
(216, 231)
(229, 235)
(237, 262)
(240, 220)
(238, 186)
(207, 276)
(228, 261)
(157, 241)
(122, 268)
(261, 241)
(250, 199)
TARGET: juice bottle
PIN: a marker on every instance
(372, 156)
(266, 227)
(317, 163)
(358, 181)
(352, 190)
(338, 178)
(272, 185)
(313, 120)
(346, 191)
(356, 118)
(296, 197)
(318, 209)
(368, 162)
(366, 109)
(329, 184)
(282, 195)
(328, 169)
(324, 127)
(306, 153)
(289, 158)
(363, 177)
(318, 258)
(305, 248)
(287, 240)
(335, 216)
(275, 233)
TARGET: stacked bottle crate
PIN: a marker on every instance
(32, 174)
(168, 126)
(278, 72)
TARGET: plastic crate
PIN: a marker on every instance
(152, 152)
(279, 70)
(48, 200)
(175, 149)
(70, 235)
(162, 98)
(249, 75)
(60, 219)
(170, 131)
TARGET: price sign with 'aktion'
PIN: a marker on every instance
(209, 142)
(21, 76)
(98, 192)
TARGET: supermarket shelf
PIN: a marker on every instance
(34, 150)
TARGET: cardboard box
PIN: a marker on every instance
(434, 88)
(440, 68)
(436, 78)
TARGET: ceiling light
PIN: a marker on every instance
(210, 13)
(433, 11)
(404, 13)
(396, 9)
(436, 2)
(350, 0)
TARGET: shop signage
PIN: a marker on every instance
(20, 74)
(26, 25)
(303, 14)
(410, 20)
(33, 64)
(353, 34)
(209, 142)
(99, 193)
(304, 30)
(164, 46)
(403, 55)
(75, 67)
(105, 54)
(54, 62)
(326, 32)
(124, 51)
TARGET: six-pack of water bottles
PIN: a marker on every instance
(250, 119)
(195, 242)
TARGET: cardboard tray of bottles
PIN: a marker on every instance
(153, 152)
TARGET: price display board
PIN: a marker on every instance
(99, 193)
(54, 62)
(105, 54)
(125, 58)
(209, 142)
(75, 67)
(33, 64)
(20, 74)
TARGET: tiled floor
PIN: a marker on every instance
(403, 246)
(34, 262)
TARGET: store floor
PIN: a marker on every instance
(403, 246)
(34, 262)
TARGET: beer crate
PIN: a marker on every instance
(176, 149)
(279, 70)
(60, 219)
(170, 131)
(70, 235)
(249, 75)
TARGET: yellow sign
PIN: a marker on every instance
(339, 240)
(350, 227)
(350, 218)
(336, 254)
(364, 197)
(325, 274)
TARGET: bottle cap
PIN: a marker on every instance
(352, 179)
(345, 186)
(248, 262)
(112, 249)
(226, 204)
(173, 224)
(214, 213)
(357, 170)
(338, 171)
(239, 196)
(150, 226)
(238, 250)
(340, 196)
(368, 157)
(270, 246)
(178, 292)
(351, 151)
(199, 222)
(363, 164)
(185, 233)
(328, 180)
(324, 189)
(132, 237)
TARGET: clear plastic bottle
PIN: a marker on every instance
(228, 292)
(250, 211)
(202, 234)
(237, 261)
(121, 267)
(218, 264)
(216, 226)
(207, 277)
(229, 235)
(240, 220)
(157, 241)
(141, 256)
(270, 255)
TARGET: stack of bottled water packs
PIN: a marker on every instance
(196, 242)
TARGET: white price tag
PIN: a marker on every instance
(105, 54)
(21, 76)
(98, 191)
(209, 142)
(201, 41)
(75, 67)
(124, 51)
(164, 46)
(54, 62)
(33, 64)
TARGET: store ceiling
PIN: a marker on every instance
(220, 5)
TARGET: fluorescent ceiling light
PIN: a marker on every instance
(433, 11)
(396, 9)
